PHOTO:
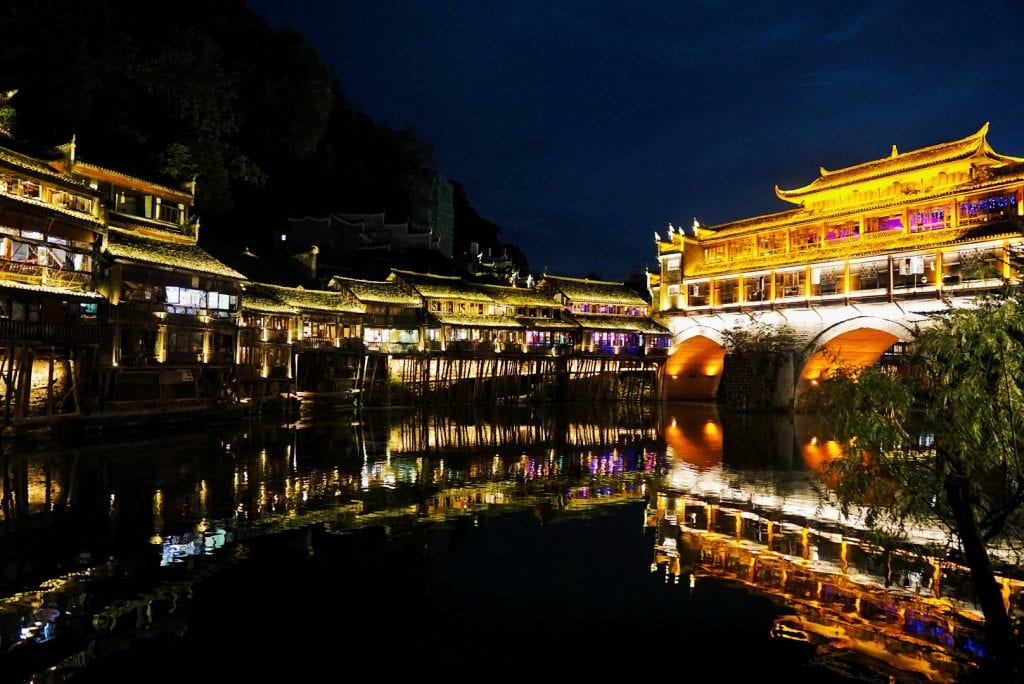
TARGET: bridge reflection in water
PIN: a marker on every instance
(728, 498)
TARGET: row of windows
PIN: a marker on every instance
(21, 187)
(28, 310)
(479, 309)
(914, 271)
(59, 258)
(150, 207)
(587, 307)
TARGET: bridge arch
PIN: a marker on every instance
(856, 342)
(694, 369)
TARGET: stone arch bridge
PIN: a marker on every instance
(857, 334)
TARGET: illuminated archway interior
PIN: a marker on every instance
(856, 349)
(694, 369)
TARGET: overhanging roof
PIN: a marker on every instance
(133, 247)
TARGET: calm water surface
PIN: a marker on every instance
(558, 543)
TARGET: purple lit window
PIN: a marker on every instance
(989, 207)
(891, 223)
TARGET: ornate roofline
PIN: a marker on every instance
(975, 145)
(94, 172)
(798, 216)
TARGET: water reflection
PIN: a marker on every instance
(106, 543)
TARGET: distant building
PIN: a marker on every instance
(344, 242)
(344, 239)
(433, 205)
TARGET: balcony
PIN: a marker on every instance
(344, 344)
(34, 274)
(50, 333)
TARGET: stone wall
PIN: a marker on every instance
(756, 381)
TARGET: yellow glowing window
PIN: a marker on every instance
(743, 248)
(716, 253)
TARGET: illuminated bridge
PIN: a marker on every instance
(870, 254)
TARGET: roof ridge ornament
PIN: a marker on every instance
(895, 152)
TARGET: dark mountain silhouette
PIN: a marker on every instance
(205, 90)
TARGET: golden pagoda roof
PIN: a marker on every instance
(169, 253)
(587, 290)
(436, 286)
(975, 145)
(379, 291)
(790, 218)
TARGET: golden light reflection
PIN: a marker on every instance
(694, 369)
(696, 438)
(907, 631)
(158, 516)
(817, 454)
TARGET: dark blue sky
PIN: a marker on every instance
(580, 128)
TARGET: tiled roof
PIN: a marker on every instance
(378, 291)
(255, 297)
(638, 324)
(446, 287)
(134, 247)
(519, 296)
(964, 148)
(792, 218)
(95, 172)
(548, 324)
(39, 167)
(476, 321)
(600, 291)
(302, 299)
(92, 222)
(52, 289)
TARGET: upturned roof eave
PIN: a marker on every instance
(942, 153)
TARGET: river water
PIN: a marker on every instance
(558, 542)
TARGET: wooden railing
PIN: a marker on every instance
(53, 333)
(346, 344)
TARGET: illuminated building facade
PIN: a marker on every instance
(933, 222)
(50, 309)
(456, 313)
(612, 317)
(391, 312)
(171, 303)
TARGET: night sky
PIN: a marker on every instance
(580, 128)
